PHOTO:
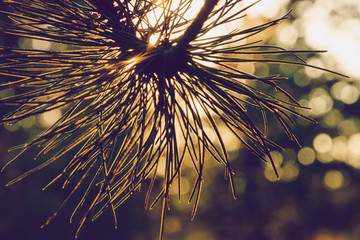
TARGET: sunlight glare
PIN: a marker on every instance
(158, 15)
(263, 8)
(330, 25)
(131, 63)
(153, 40)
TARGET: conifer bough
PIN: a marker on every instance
(127, 104)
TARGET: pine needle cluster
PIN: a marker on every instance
(128, 101)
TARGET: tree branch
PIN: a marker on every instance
(195, 27)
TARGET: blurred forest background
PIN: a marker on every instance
(318, 194)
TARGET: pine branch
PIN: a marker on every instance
(127, 106)
(195, 27)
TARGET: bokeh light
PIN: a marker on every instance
(345, 92)
(47, 119)
(323, 143)
(320, 102)
(28, 123)
(339, 150)
(306, 156)
(334, 179)
(354, 144)
(286, 166)
(173, 225)
(349, 126)
(301, 79)
(332, 119)
(287, 35)
(12, 127)
(326, 168)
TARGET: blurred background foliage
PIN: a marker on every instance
(317, 196)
